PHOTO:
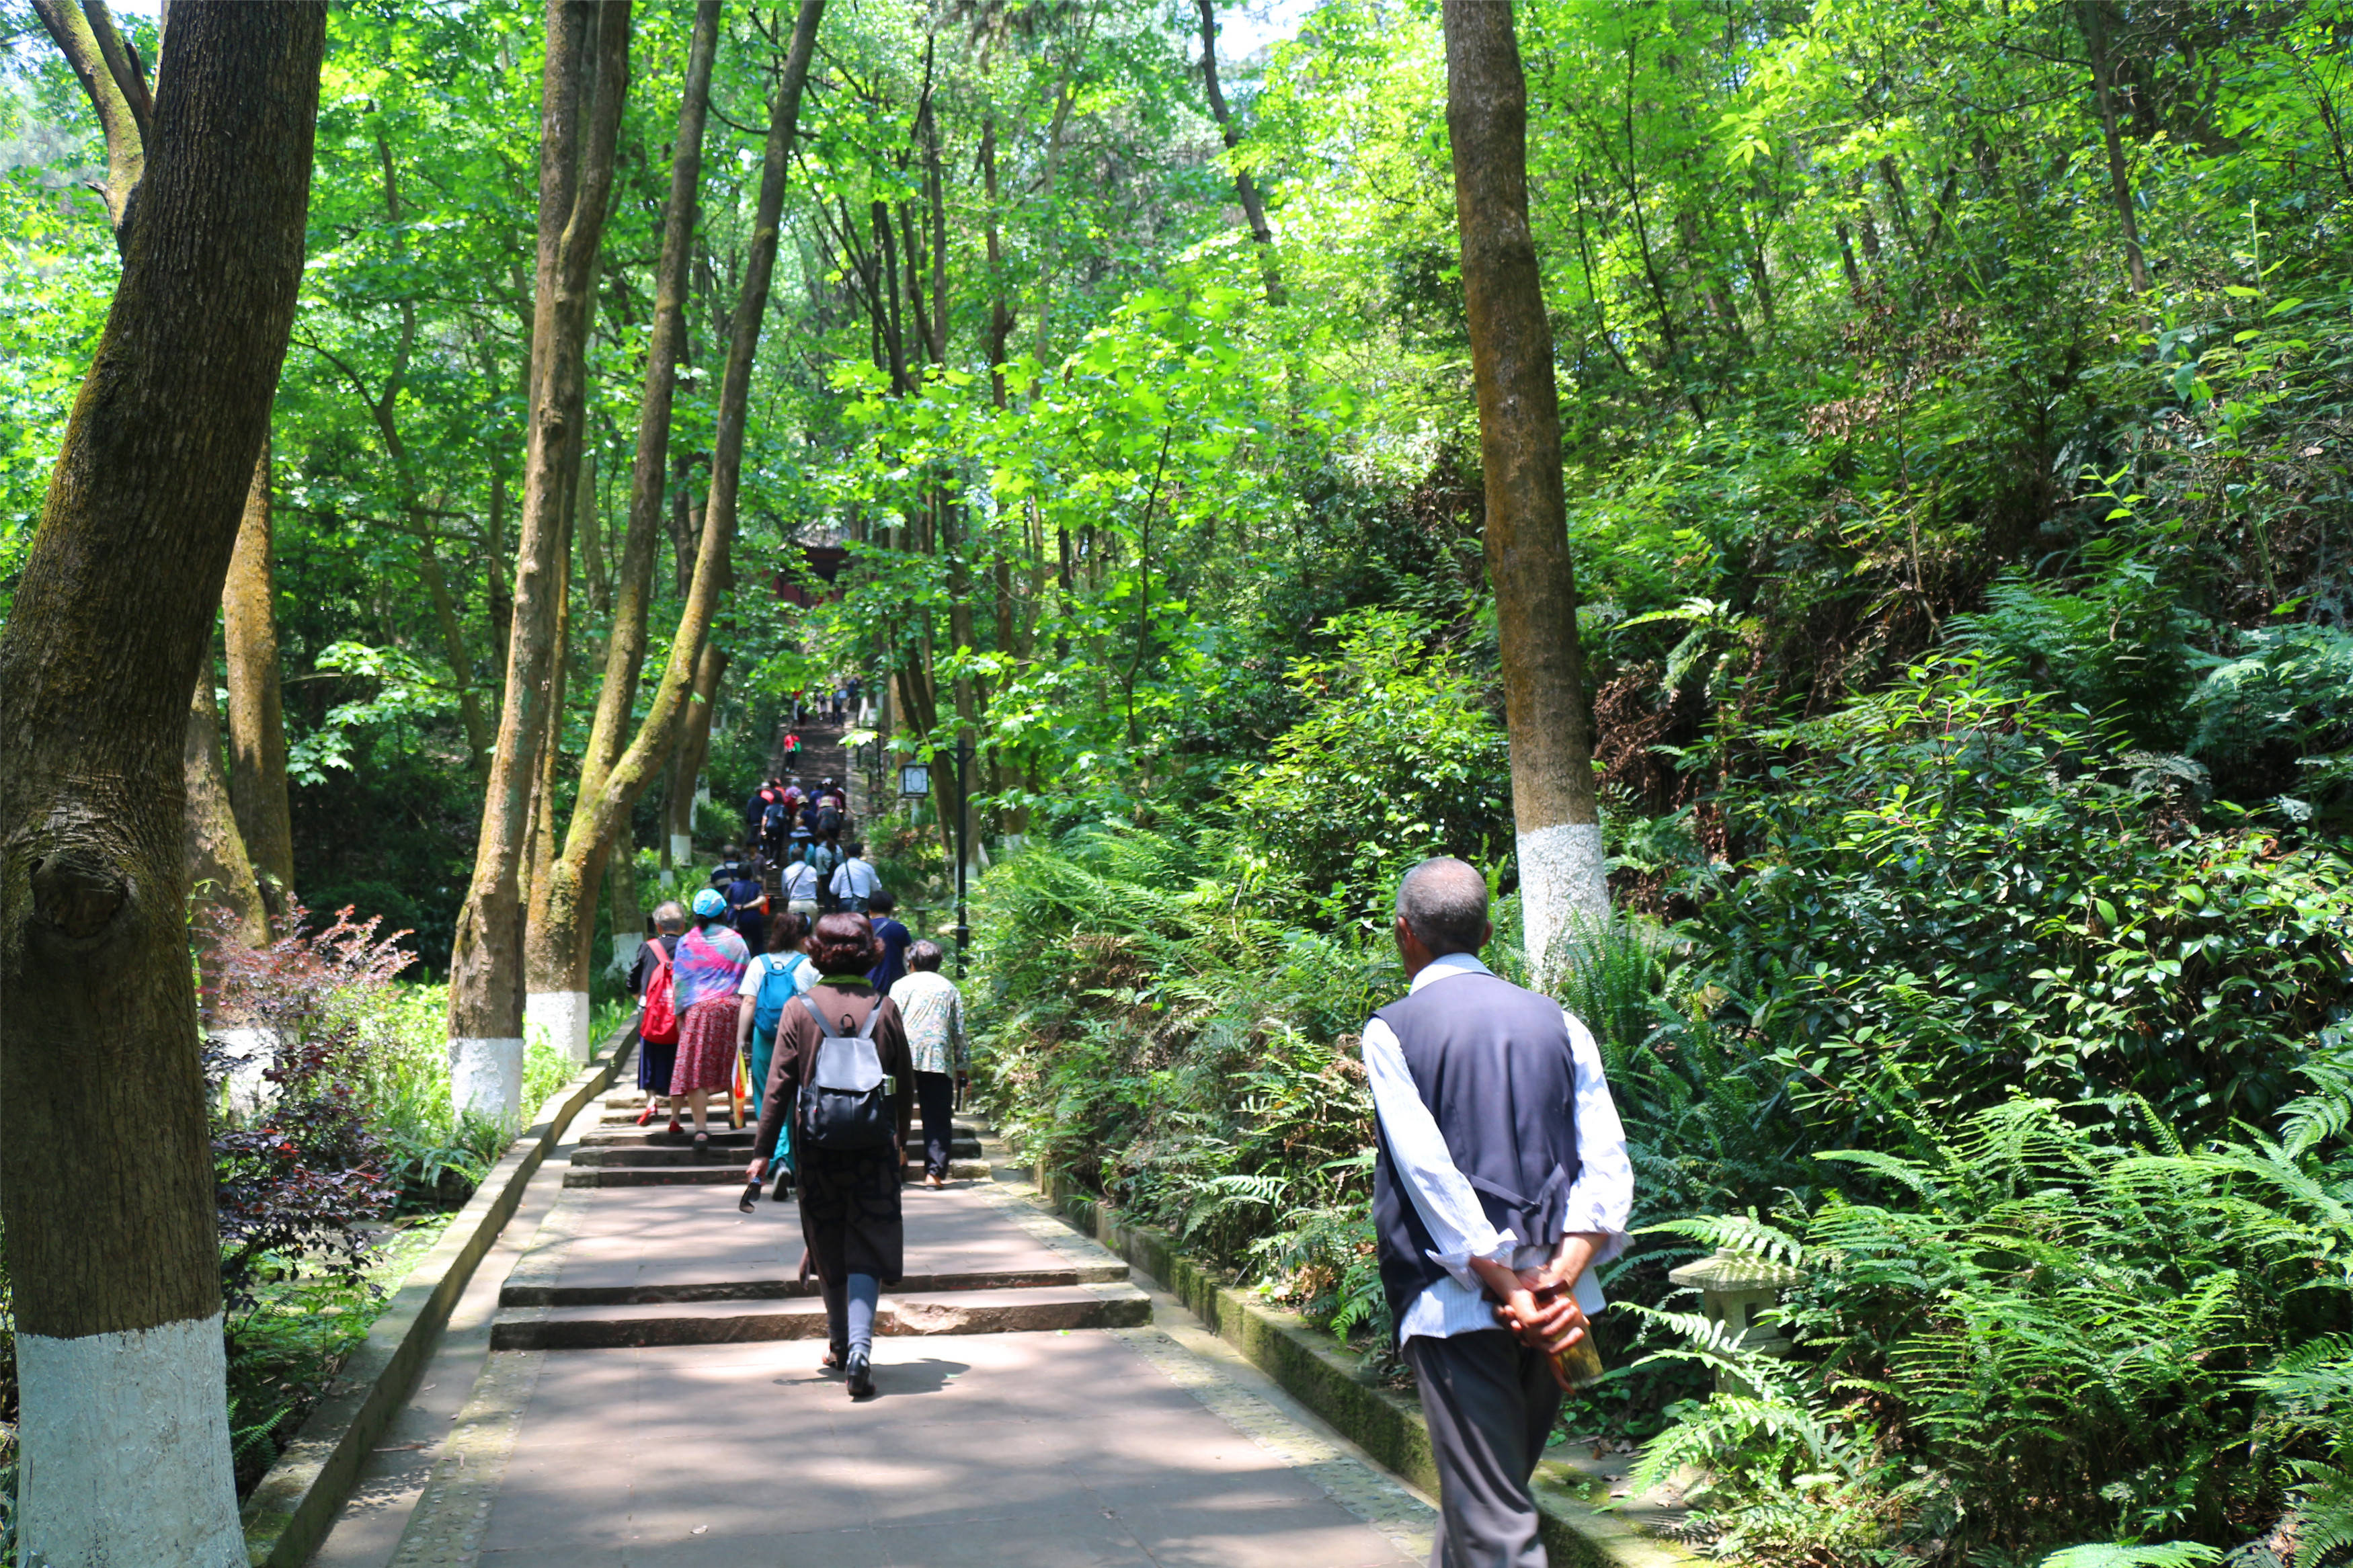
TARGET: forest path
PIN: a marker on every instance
(652, 1396)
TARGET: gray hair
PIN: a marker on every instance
(925, 954)
(1444, 901)
(671, 916)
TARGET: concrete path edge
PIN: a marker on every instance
(291, 1511)
(1331, 1380)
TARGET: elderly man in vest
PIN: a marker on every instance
(1501, 1183)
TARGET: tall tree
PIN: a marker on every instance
(220, 867)
(257, 715)
(2094, 16)
(563, 912)
(124, 1434)
(1245, 187)
(586, 70)
(560, 930)
(1563, 881)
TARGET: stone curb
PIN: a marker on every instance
(1331, 1380)
(290, 1514)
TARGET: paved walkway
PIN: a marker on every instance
(700, 1431)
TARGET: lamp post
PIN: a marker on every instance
(964, 846)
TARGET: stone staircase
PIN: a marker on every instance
(822, 755)
(639, 1250)
(617, 1152)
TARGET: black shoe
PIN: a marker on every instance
(861, 1375)
(751, 1192)
(784, 1193)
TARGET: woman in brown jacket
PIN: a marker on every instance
(848, 1197)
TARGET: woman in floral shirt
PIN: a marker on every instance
(932, 1009)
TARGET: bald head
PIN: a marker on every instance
(1444, 900)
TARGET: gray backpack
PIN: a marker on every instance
(847, 1103)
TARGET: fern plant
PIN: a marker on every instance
(2290, 1201)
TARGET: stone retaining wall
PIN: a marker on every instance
(291, 1511)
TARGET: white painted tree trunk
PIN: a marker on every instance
(681, 848)
(250, 1052)
(1564, 890)
(486, 1076)
(561, 1018)
(126, 1449)
(626, 948)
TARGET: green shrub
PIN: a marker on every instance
(1398, 758)
(1990, 894)
(1147, 1029)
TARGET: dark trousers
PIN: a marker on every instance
(1490, 1401)
(935, 1094)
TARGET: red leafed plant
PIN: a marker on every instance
(301, 1172)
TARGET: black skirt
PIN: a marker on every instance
(849, 1212)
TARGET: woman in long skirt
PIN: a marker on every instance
(709, 965)
(848, 1197)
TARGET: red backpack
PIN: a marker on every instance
(660, 1024)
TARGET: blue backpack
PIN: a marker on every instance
(777, 988)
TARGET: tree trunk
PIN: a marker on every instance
(486, 962)
(106, 1177)
(497, 601)
(563, 910)
(1562, 880)
(550, 1009)
(560, 922)
(124, 113)
(220, 876)
(2095, 41)
(117, 88)
(453, 648)
(1253, 209)
(257, 715)
(693, 745)
(1000, 313)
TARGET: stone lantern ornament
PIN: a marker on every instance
(1734, 1290)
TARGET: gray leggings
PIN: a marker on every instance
(850, 1312)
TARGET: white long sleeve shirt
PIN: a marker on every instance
(854, 879)
(1600, 1199)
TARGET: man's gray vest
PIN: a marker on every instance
(1494, 1064)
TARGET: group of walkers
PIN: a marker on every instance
(834, 702)
(784, 818)
(847, 1026)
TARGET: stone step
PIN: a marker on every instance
(706, 1290)
(735, 1147)
(657, 1135)
(722, 1172)
(901, 1312)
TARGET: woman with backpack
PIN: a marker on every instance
(842, 1067)
(706, 969)
(650, 977)
(775, 977)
